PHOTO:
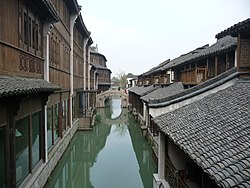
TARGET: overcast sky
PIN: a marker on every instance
(136, 35)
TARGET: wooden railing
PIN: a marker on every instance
(194, 76)
(153, 128)
(174, 177)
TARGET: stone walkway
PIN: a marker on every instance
(84, 124)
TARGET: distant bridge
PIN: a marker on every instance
(101, 97)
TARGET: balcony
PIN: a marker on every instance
(194, 75)
(178, 178)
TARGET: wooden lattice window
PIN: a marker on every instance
(30, 34)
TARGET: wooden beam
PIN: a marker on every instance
(216, 66)
(13, 105)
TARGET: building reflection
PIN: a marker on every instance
(73, 169)
(143, 153)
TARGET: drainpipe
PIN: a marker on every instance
(71, 62)
(89, 67)
(88, 74)
(236, 58)
(84, 62)
(95, 80)
(46, 30)
(85, 43)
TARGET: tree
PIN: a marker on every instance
(121, 76)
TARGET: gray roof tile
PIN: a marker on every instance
(98, 66)
(143, 90)
(233, 30)
(221, 45)
(155, 69)
(13, 86)
(164, 92)
(215, 133)
(213, 82)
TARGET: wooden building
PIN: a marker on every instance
(24, 92)
(44, 85)
(204, 136)
(207, 62)
(100, 73)
(204, 139)
(187, 113)
(156, 75)
(190, 69)
(131, 80)
(242, 32)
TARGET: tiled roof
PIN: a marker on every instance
(215, 133)
(164, 92)
(130, 75)
(94, 50)
(13, 86)
(133, 89)
(143, 90)
(213, 82)
(233, 30)
(183, 58)
(156, 69)
(221, 45)
(99, 66)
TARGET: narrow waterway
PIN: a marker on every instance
(113, 155)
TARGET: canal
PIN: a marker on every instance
(113, 155)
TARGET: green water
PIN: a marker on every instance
(113, 155)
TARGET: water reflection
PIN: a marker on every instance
(114, 154)
(73, 169)
(113, 107)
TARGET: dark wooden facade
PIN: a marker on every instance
(37, 45)
(195, 72)
(21, 42)
(240, 30)
(156, 75)
(98, 61)
(22, 115)
(136, 102)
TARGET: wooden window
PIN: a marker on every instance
(36, 37)
(26, 35)
(64, 114)
(211, 68)
(65, 15)
(35, 129)
(33, 34)
(28, 146)
(54, 46)
(49, 127)
(52, 125)
(29, 30)
(56, 122)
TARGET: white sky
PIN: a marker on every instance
(136, 35)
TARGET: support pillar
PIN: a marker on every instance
(161, 156)
(46, 30)
(12, 109)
